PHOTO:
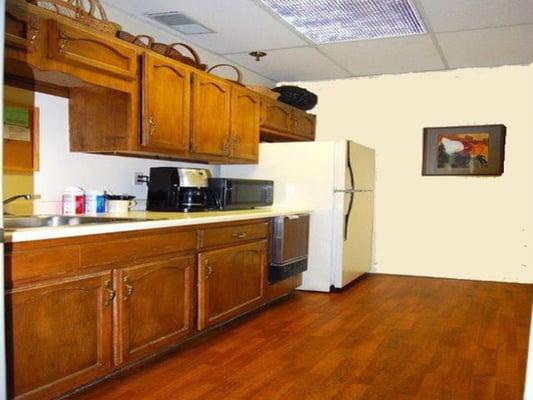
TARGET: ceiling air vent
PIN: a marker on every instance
(180, 22)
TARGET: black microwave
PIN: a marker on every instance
(239, 194)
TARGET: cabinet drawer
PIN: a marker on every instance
(124, 250)
(233, 234)
(32, 265)
(88, 50)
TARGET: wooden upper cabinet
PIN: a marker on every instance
(211, 116)
(245, 113)
(90, 50)
(304, 124)
(60, 335)
(155, 305)
(22, 31)
(276, 116)
(166, 98)
(231, 281)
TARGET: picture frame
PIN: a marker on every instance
(464, 150)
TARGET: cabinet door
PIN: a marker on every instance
(231, 281)
(91, 51)
(166, 103)
(304, 124)
(156, 305)
(276, 116)
(22, 31)
(245, 110)
(211, 116)
(59, 335)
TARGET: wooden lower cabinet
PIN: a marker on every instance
(78, 309)
(231, 281)
(155, 305)
(60, 335)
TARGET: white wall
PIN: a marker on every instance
(59, 168)
(456, 227)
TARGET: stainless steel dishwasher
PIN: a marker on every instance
(290, 246)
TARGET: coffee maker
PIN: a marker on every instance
(180, 189)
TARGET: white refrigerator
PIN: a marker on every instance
(336, 181)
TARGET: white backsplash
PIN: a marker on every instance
(59, 168)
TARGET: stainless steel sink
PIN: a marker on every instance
(37, 221)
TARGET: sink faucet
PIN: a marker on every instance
(12, 199)
(18, 196)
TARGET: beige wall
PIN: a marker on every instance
(457, 227)
(18, 183)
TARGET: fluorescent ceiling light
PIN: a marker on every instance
(330, 21)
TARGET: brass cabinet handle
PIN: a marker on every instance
(111, 293)
(152, 126)
(129, 288)
(208, 269)
(226, 146)
(63, 41)
(33, 33)
(235, 142)
(239, 235)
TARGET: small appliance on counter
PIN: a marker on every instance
(179, 189)
(193, 189)
(242, 194)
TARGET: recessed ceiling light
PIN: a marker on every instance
(180, 22)
(330, 21)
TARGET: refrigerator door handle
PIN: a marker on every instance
(351, 191)
(344, 191)
(347, 216)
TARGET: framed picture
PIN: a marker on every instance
(464, 150)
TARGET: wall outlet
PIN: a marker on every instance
(139, 178)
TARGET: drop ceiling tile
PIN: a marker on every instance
(458, 15)
(239, 25)
(488, 47)
(297, 64)
(386, 56)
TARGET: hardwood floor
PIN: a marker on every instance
(385, 338)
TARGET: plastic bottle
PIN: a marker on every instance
(94, 202)
(73, 201)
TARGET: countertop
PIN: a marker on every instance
(156, 220)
